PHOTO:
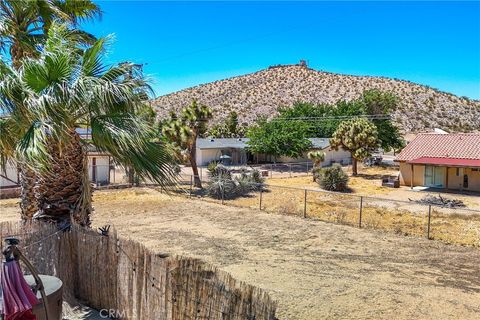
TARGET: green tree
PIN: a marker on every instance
(378, 102)
(323, 119)
(182, 133)
(48, 97)
(279, 138)
(317, 158)
(358, 136)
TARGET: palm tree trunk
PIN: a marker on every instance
(65, 192)
(28, 185)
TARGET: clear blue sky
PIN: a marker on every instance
(189, 43)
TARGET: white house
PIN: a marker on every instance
(234, 151)
(9, 176)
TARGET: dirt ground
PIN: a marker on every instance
(315, 270)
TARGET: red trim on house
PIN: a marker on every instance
(446, 162)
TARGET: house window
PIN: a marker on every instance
(458, 172)
(475, 170)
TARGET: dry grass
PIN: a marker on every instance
(315, 270)
(390, 212)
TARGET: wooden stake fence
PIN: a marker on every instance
(108, 272)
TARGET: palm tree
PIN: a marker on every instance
(182, 132)
(24, 24)
(317, 158)
(48, 97)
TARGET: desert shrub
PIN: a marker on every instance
(244, 184)
(256, 176)
(221, 185)
(332, 178)
(217, 169)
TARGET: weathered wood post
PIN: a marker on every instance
(305, 204)
(428, 224)
(261, 194)
(223, 195)
(360, 215)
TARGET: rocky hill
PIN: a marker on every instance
(261, 93)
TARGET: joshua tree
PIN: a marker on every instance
(317, 158)
(48, 97)
(182, 132)
(358, 136)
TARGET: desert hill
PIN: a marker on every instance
(262, 92)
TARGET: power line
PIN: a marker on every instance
(378, 116)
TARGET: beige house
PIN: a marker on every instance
(448, 161)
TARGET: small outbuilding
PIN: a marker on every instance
(440, 160)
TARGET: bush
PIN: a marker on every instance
(217, 169)
(332, 178)
(222, 184)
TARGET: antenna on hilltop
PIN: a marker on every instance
(303, 63)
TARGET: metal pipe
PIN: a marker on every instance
(11, 252)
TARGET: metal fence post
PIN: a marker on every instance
(307, 168)
(428, 224)
(361, 209)
(271, 170)
(261, 194)
(290, 169)
(191, 185)
(305, 204)
(201, 174)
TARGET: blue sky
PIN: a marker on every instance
(188, 43)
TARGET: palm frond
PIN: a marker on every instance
(9, 133)
(129, 141)
(32, 148)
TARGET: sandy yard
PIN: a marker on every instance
(315, 270)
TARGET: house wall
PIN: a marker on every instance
(331, 156)
(102, 168)
(406, 174)
(341, 156)
(454, 182)
(11, 174)
(205, 156)
(473, 179)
